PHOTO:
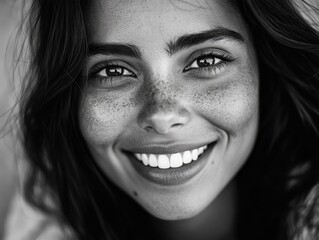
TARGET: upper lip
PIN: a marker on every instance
(166, 149)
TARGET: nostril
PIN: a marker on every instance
(148, 128)
(161, 127)
(177, 124)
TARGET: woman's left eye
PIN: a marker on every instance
(204, 62)
(207, 65)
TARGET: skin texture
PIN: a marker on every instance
(164, 105)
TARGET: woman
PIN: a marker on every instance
(138, 117)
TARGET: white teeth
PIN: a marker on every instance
(200, 150)
(187, 157)
(195, 154)
(175, 160)
(152, 160)
(163, 161)
(145, 159)
(138, 156)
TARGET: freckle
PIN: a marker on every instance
(213, 163)
(183, 113)
(135, 193)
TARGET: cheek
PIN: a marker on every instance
(103, 118)
(230, 103)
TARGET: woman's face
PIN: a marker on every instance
(170, 112)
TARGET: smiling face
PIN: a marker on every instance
(170, 112)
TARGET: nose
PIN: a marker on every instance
(163, 117)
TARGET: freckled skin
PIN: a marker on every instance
(234, 101)
(222, 107)
(158, 97)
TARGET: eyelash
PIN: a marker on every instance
(215, 67)
(224, 60)
(104, 65)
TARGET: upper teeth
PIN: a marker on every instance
(174, 160)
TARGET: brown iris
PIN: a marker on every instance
(205, 61)
(114, 71)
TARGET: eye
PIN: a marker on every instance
(204, 62)
(111, 75)
(208, 64)
(114, 71)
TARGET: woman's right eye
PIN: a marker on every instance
(114, 71)
(108, 75)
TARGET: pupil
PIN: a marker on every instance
(205, 62)
(115, 71)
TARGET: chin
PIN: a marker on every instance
(168, 215)
(175, 211)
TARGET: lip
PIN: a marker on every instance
(171, 176)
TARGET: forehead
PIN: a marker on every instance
(133, 20)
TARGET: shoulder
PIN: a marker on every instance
(26, 223)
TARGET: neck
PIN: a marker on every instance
(216, 222)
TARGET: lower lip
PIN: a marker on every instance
(172, 176)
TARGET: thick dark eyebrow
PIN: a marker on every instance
(182, 42)
(114, 48)
(190, 40)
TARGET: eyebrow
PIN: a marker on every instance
(190, 40)
(182, 42)
(114, 48)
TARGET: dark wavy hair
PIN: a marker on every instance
(278, 176)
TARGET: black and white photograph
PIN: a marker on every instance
(159, 119)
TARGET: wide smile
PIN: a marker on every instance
(173, 168)
(175, 160)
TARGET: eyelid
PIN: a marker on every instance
(218, 53)
(109, 63)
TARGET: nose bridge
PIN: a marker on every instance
(162, 111)
(160, 97)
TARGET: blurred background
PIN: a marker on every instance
(10, 12)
